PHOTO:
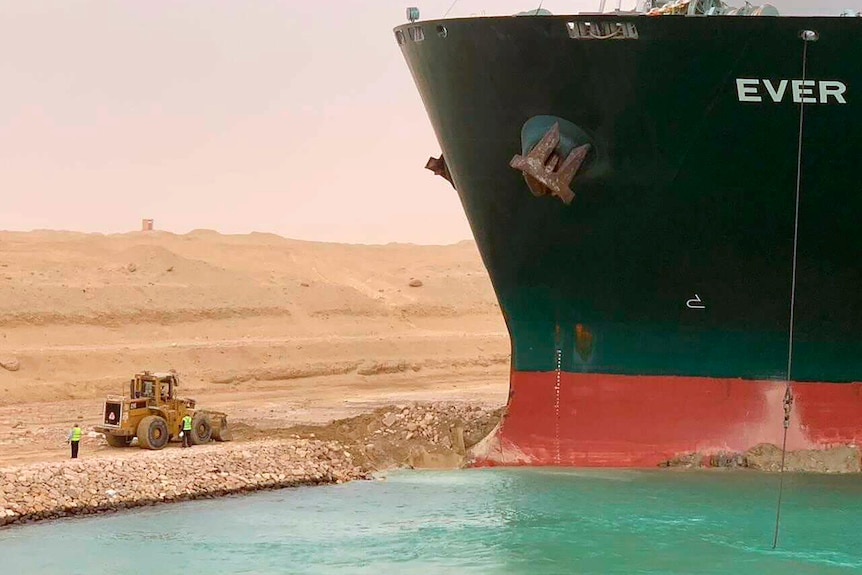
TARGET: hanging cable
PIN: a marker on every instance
(807, 37)
(788, 404)
(450, 8)
(539, 8)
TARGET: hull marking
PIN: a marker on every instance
(695, 303)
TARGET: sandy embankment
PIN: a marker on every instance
(280, 334)
(274, 331)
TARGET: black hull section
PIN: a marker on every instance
(688, 196)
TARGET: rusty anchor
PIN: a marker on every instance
(439, 167)
(542, 168)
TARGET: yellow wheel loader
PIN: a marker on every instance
(153, 413)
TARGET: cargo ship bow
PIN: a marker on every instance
(667, 203)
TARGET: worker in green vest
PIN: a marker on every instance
(74, 439)
(187, 431)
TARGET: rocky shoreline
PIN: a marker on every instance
(91, 486)
(415, 435)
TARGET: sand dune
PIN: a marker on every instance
(66, 278)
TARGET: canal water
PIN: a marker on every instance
(489, 521)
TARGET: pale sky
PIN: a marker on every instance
(297, 118)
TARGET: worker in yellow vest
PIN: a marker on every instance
(187, 431)
(74, 439)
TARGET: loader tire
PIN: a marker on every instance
(118, 440)
(201, 429)
(153, 432)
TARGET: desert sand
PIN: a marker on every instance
(276, 332)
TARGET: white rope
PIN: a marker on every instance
(796, 218)
(450, 8)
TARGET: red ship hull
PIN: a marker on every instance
(597, 420)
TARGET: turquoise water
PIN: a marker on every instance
(522, 521)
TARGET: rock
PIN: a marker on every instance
(685, 460)
(389, 419)
(726, 459)
(131, 268)
(10, 363)
(766, 457)
(415, 283)
(458, 440)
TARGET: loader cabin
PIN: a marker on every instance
(146, 386)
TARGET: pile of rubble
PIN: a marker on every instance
(767, 457)
(87, 486)
(434, 435)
